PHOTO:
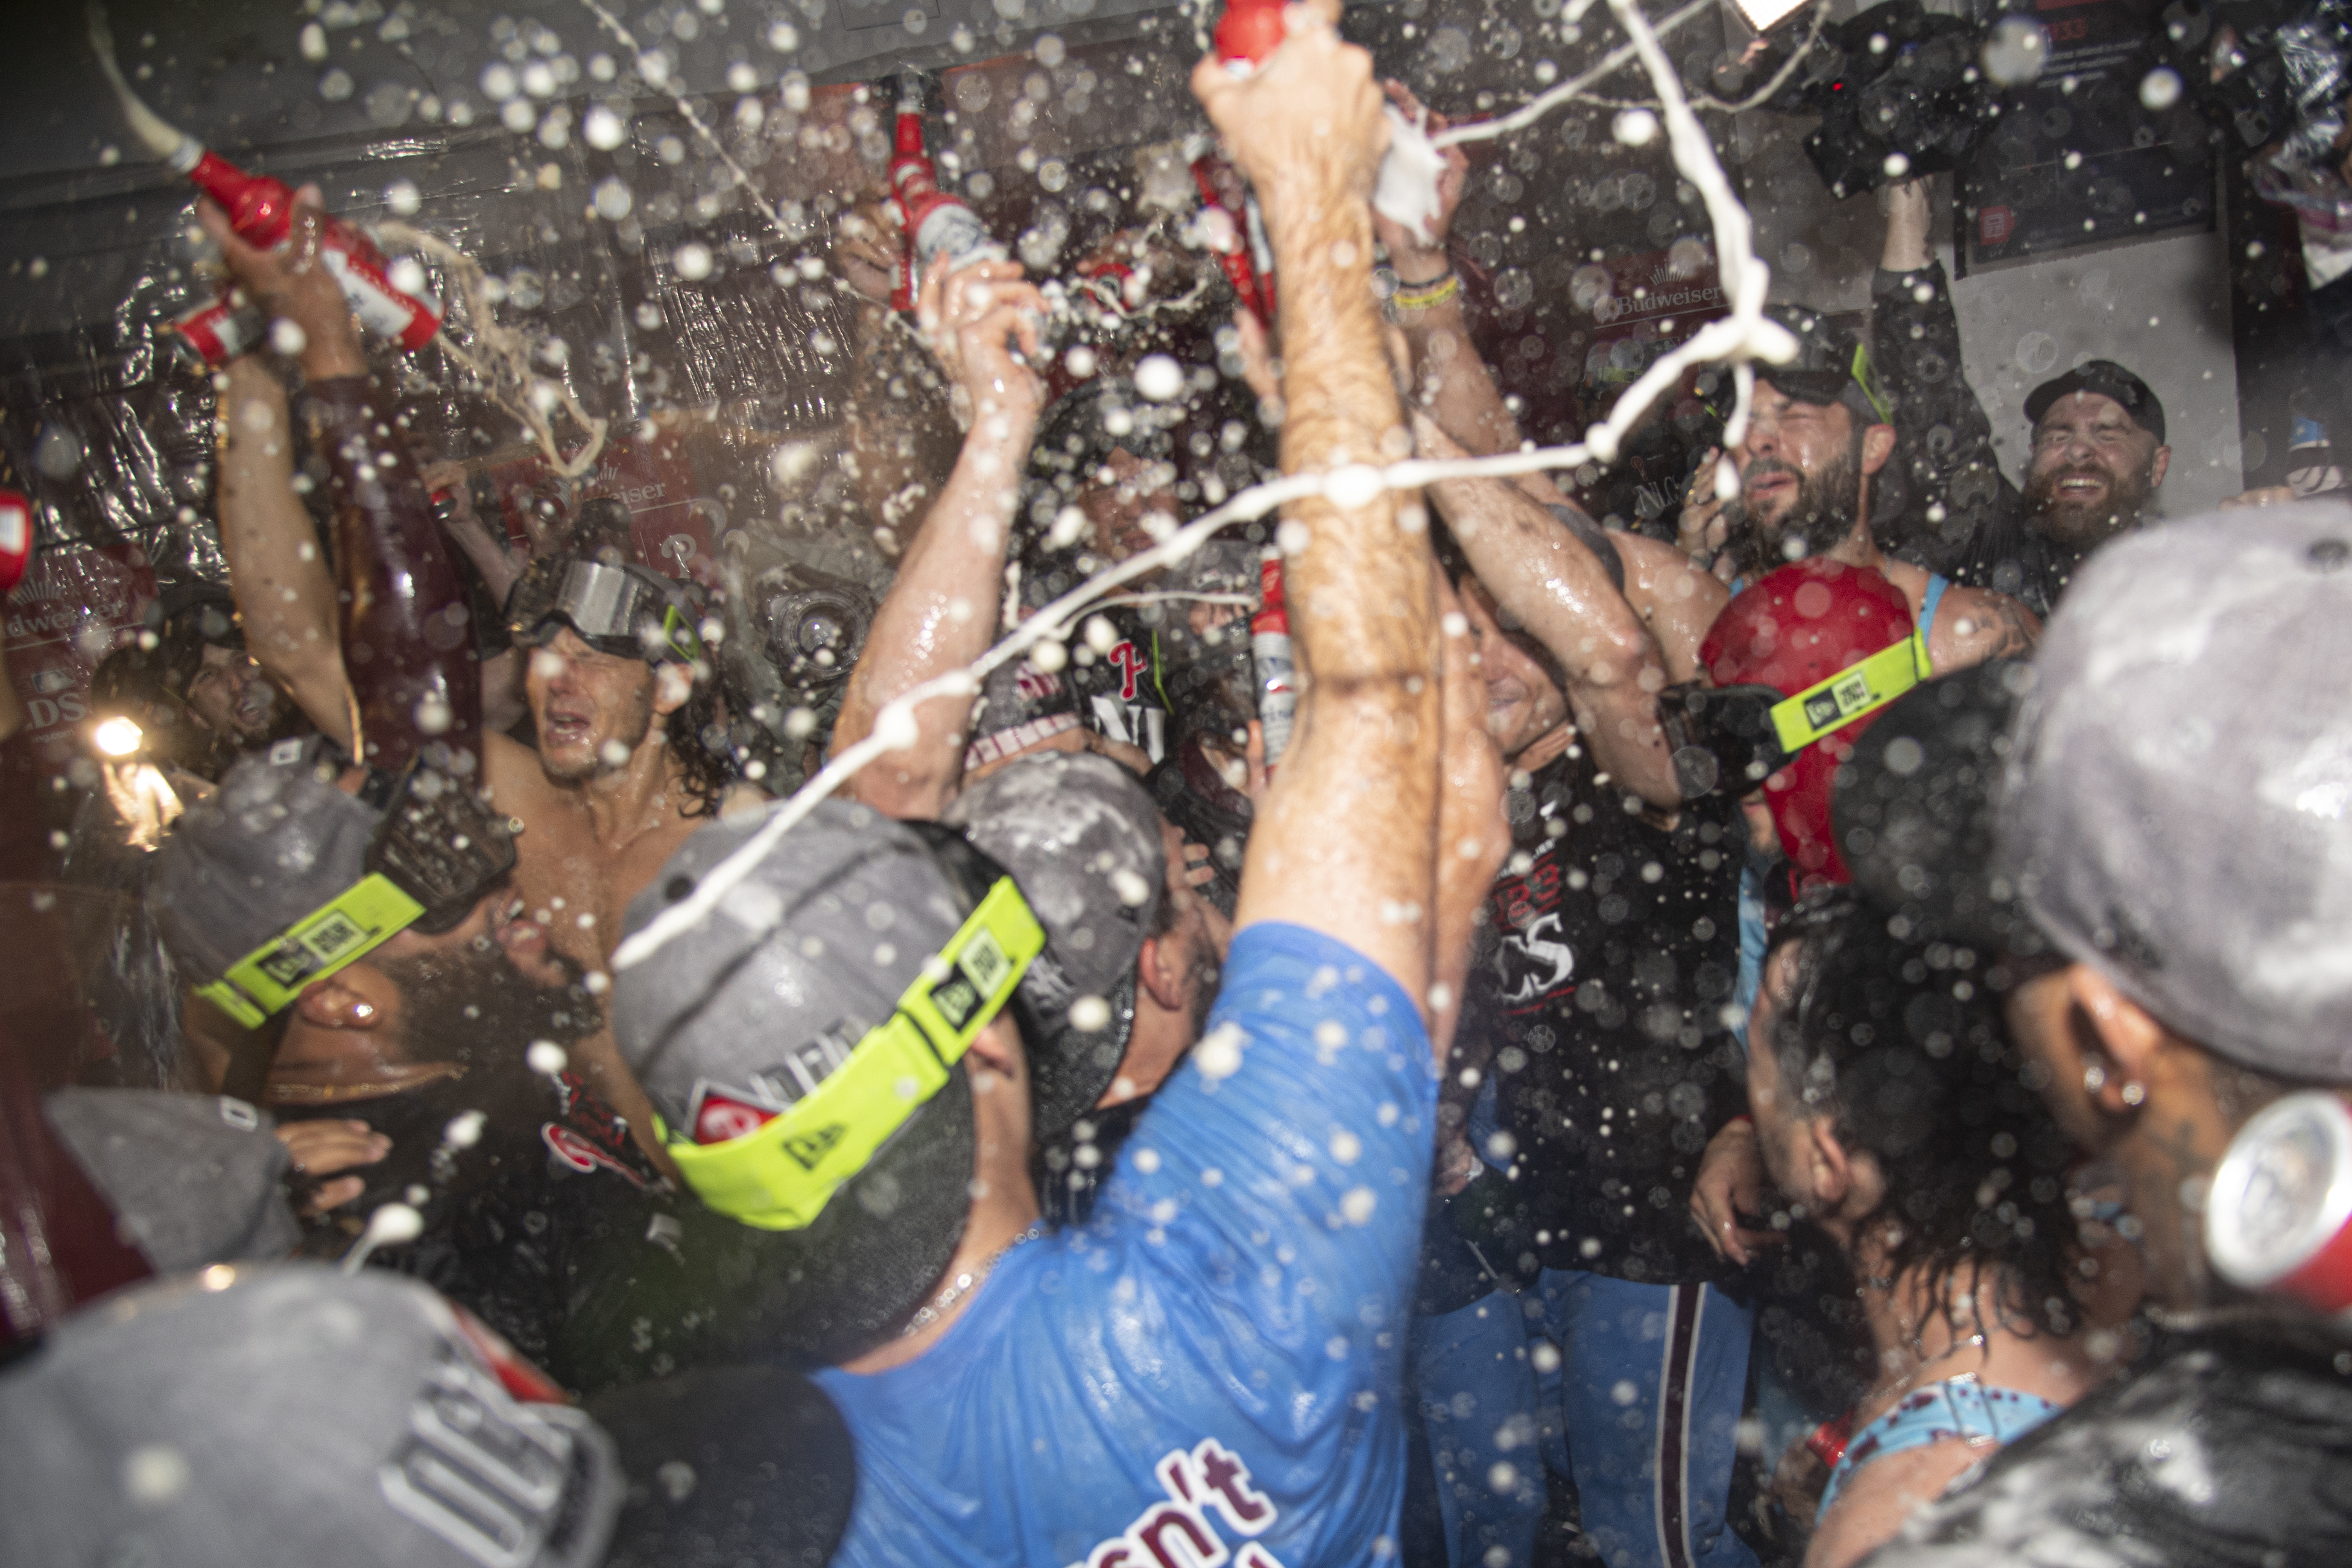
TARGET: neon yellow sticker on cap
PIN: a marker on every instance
(348, 927)
(782, 1176)
(1856, 689)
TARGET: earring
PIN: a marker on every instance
(2095, 1077)
(2134, 1092)
(364, 1011)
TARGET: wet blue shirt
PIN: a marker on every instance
(1209, 1371)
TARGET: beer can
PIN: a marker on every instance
(2278, 1219)
(217, 334)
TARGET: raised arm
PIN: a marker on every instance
(940, 612)
(1956, 493)
(1555, 586)
(284, 593)
(407, 644)
(1347, 842)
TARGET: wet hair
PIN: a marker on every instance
(1904, 1046)
(710, 771)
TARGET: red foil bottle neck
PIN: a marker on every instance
(259, 207)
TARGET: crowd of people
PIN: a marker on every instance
(1734, 1033)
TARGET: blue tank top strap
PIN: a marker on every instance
(1956, 1407)
(1936, 583)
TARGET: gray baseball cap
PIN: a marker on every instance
(192, 1179)
(2178, 802)
(290, 1412)
(275, 841)
(1081, 836)
(775, 988)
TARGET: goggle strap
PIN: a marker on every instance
(1857, 690)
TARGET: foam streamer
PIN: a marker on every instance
(1572, 89)
(1740, 338)
(500, 357)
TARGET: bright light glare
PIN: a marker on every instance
(1766, 14)
(116, 737)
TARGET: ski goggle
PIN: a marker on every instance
(771, 1153)
(626, 611)
(438, 849)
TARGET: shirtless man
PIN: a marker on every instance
(1816, 436)
(620, 777)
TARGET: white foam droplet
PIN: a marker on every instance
(547, 1058)
(154, 1474)
(464, 1130)
(1132, 889)
(1634, 127)
(1160, 378)
(1220, 1052)
(1089, 1014)
(391, 1225)
(1356, 1207)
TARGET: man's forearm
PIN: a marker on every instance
(285, 594)
(407, 647)
(1455, 388)
(1348, 840)
(940, 614)
(1553, 585)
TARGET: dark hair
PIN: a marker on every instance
(1904, 1046)
(710, 771)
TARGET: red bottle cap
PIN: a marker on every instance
(1249, 30)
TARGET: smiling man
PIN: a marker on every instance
(2099, 458)
(1819, 435)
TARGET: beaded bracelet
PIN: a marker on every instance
(1424, 296)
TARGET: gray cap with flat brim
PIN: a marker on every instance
(2177, 805)
(192, 1179)
(275, 841)
(1081, 836)
(289, 1412)
(812, 949)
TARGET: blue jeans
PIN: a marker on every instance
(1634, 1390)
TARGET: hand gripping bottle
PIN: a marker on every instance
(1248, 32)
(261, 210)
(940, 227)
(1278, 677)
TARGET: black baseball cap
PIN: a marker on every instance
(2108, 379)
(1833, 365)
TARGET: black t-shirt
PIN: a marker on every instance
(2007, 557)
(1607, 959)
(2231, 1448)
(1119, 690)
(549, 1174)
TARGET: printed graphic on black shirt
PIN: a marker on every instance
(1609, 955)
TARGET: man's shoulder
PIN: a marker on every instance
(2225, 1444)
